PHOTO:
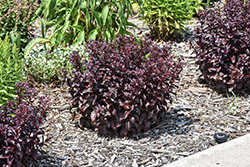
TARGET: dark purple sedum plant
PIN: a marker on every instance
(19, 127)
(124, 85)
(223, 46)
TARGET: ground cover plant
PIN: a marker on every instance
(19, 127)
(222, 46)
(45, 66)
(76, 21)
(16, 19)
(165, 17)
(124, 86)
(11, 70)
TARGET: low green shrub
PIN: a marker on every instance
(45, 66)
(222, 46)
(15, 20)
(166, 17)
(76, 21)
(11, 70)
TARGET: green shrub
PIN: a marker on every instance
(76, 21)
(45, 66)
(165, 17)
(10, 70)
(15, 20)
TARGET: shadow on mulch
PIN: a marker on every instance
(184, 36)
(175, 122)
(244, 93)
(48, 160)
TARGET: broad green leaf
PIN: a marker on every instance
(67, 39)
(52, 6)
(98, 18)
(84, 5)
(92, 34)
(64, 29)
(123, 21)
(80, 37)
(107, 35)
(105, 12)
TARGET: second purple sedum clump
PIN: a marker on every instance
(21, 137)
(223, 47)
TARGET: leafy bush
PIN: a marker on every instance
(165, 17)
(76, 21)
(45, 66)
(222, 46)
(11, 70)
(124, 86)
(19, 127)
(15, 20)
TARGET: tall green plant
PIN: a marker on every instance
(165, 17)
(15, 20)
(10, 70)
(76, 21)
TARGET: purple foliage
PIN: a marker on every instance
(124, 85)
(223, 47)
(19, 127)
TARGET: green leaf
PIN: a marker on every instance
(123, 22)
(87, 21)
(52, 6)
(43, 32)
(105, 12)
(32, 43)
(80, 37)
(4, 92)
(98, 19)
(37, 13)
(63, 31)
(12, 114)
(132, 24)
(42, 26)
(77, 27)
(92, 34)
(107, 35)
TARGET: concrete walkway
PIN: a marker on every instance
(234, 153)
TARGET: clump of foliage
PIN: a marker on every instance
(19, 127)
(45, 66)
(11, 70)
(76, 21)
(15, 20)
(124, 86)
(222, 46)
(165, 17)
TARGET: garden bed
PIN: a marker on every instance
(197, 112)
